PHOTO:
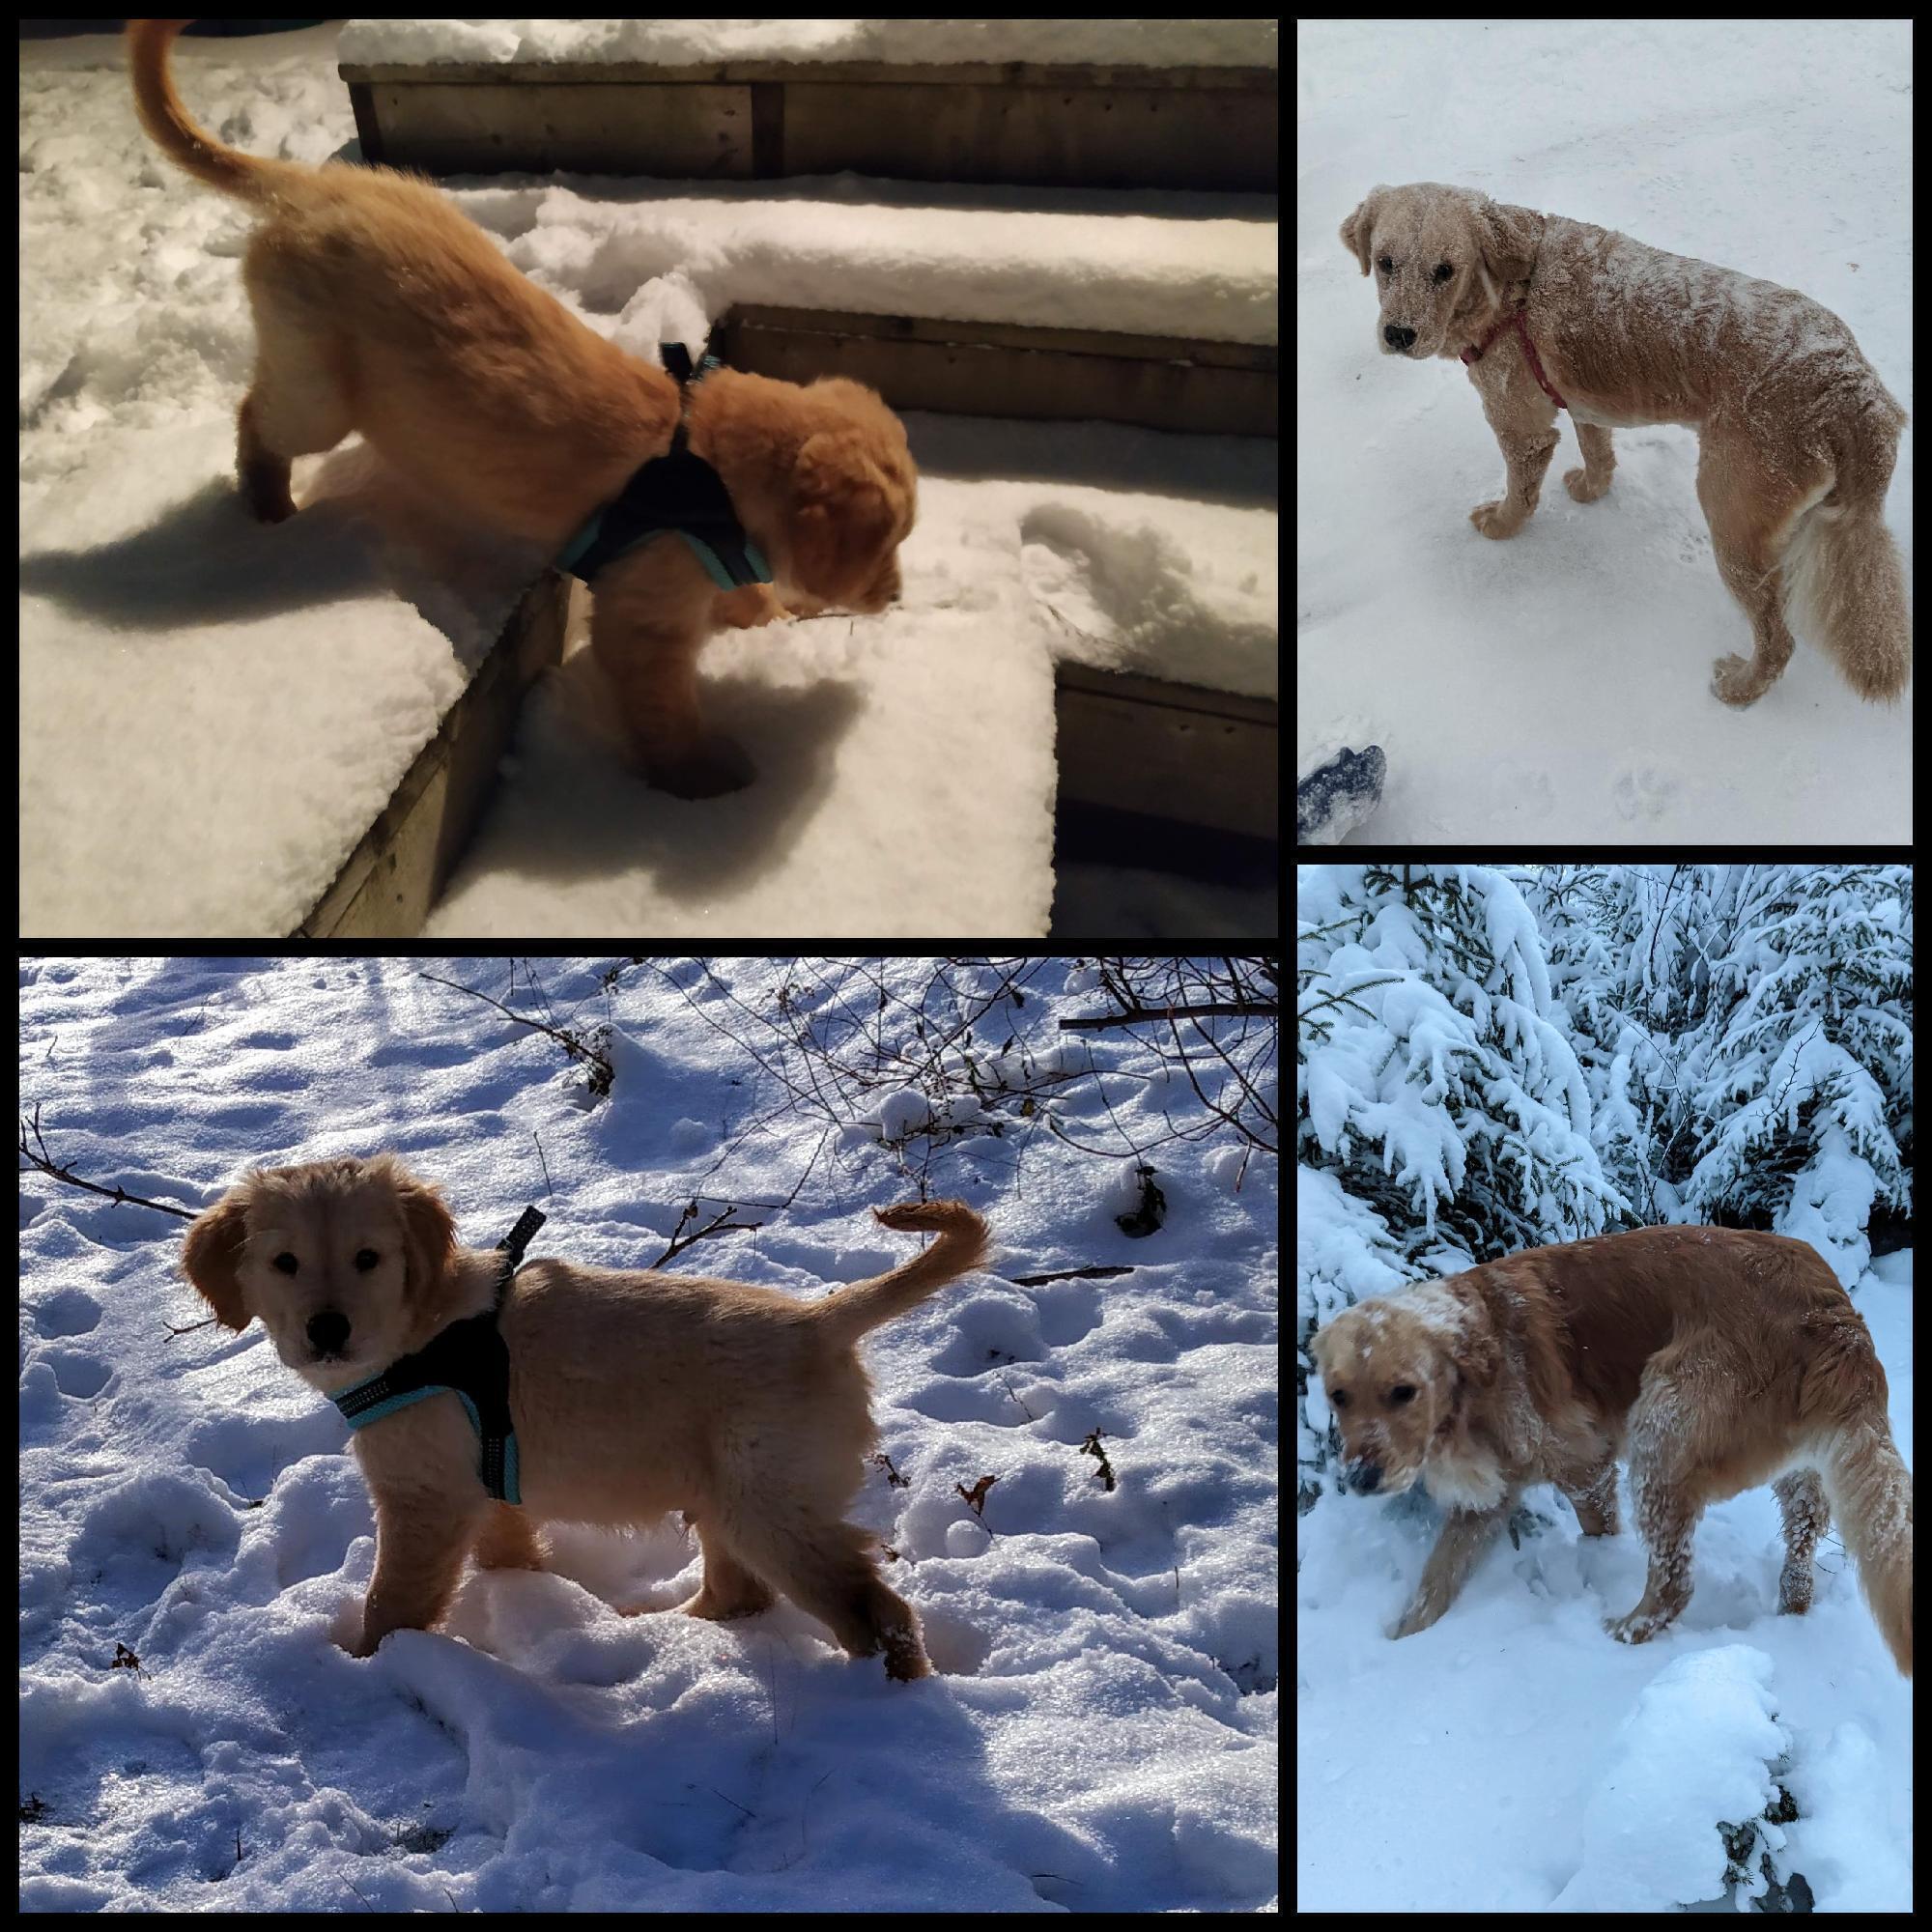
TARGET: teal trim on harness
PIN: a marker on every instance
(468, 1360)
(674, 495)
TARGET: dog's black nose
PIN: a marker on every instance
(328, 1331)
(1363, 1478)
(1399, 337)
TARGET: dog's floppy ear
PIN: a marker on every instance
(843, 514)
(429, 1229)
(211, 1257)
(1509, 238)
(1360, 227)
(1476, 1353)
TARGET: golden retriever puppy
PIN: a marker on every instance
(378, 309)
(629, 1394)
(1795, 434)
(1713, 1360)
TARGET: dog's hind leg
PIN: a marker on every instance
(1751, 511)
(1800, 1497)
(730, 1590)
(298, 402)
(507, 1541)
(829, 1569)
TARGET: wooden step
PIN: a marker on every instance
(1090, 126)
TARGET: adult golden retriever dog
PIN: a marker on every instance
(1713, 1360)
(1795, 434)
(378, 309)
(630, 1394)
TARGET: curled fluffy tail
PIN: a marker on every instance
(960, 1248)
(170, 128)
(1870, 1492)
(1847, 590)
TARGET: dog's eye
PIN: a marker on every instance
(1385, 264)
(365, 1259)
(286, 1263)
(1442, 271)
(1401, 1394)
(1338, 1398)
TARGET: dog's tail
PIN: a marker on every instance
(1870, 1492)
(1846, 586)
(177, 137)
(864, 1305)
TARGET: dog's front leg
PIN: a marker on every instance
(1524, 422)
(646, 630)
(1465, 1535)
(418, 1554)
(1592, 1491)
(1600, 462)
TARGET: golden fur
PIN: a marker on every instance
(631, 1393)
(378, 309)
(1797, 435)
(1714, 1359)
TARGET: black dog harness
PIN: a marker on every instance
(467, 1360)
(675, 495)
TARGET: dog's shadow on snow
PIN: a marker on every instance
(203, 562)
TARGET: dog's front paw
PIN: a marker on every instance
(717, 766)
(268, 500)
(747, 607)
(1497, 518)
(717, 1607)
(1577, 483)
(1735, 681)
(1639, 1626)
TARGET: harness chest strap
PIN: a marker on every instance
(467, 1360)
(674, 495)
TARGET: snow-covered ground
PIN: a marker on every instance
(213, 712)
(1087, 1523)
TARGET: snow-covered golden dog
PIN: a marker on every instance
(1712, 1358)
(1797, 435)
